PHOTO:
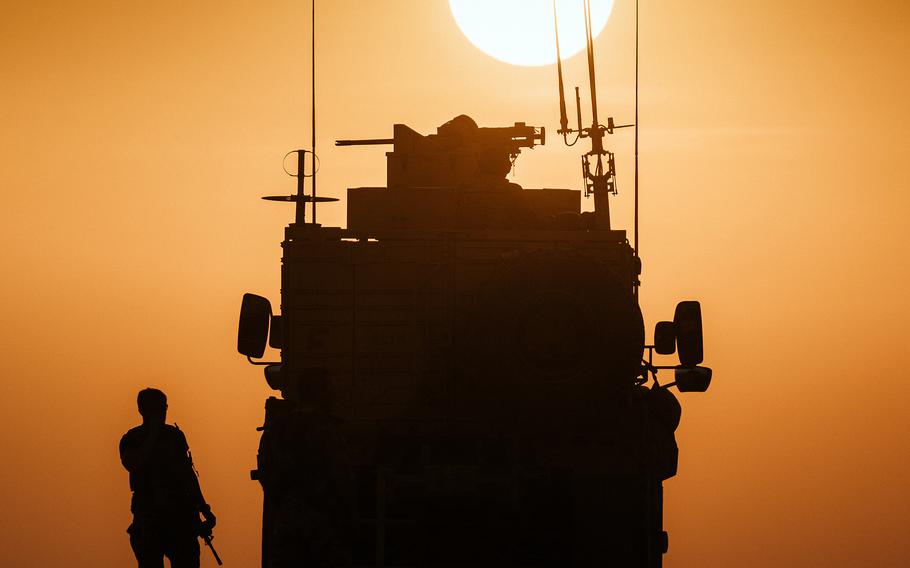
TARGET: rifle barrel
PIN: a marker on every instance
(208, 542)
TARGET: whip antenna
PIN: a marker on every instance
(563, 117)
(635, 239)
(635, 247)
(300, 199)
(313, 83)
(589, 42)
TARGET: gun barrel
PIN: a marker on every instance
(366, 142)
(208, 543)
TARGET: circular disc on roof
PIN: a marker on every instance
(295, 198)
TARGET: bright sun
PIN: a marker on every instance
(520, 32)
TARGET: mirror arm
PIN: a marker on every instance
(250, 359)
(649, 367)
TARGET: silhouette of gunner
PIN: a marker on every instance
(167, 499)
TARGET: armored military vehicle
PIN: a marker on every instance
(462, 374)
(464, 379)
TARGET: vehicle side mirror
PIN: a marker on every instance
(687, 321)
(693, 380)
(665, 338)
(253, 331)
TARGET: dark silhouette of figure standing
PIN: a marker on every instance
(167, 499)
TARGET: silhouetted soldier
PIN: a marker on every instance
(167, 499)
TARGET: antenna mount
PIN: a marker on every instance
(598, 164)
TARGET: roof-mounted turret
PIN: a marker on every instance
(460, 154)
(456, 179)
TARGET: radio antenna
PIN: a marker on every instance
(598, 165)
(300, 199)
(563, 117)
(313, 118)
(635, 243)
(589, 43)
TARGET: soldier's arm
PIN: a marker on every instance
(134, 456)
(187, 474)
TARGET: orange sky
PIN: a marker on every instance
(137, 140)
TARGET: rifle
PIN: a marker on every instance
(205, 529)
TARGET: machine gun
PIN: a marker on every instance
(460, 154)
